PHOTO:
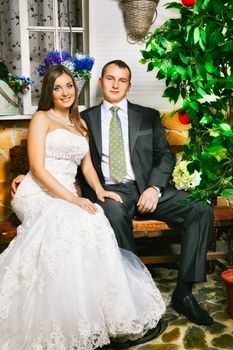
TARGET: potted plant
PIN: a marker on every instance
(79, 64)
(11, 86)
(193, 54)
(227, 277)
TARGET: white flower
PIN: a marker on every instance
(69, 65)
(182, 178)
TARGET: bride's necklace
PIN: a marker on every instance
(65, 120)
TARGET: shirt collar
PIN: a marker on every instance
(122, 104)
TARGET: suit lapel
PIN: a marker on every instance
(134, 121)
(95, 127)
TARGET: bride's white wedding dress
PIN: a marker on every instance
(64, 283)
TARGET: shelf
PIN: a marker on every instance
(27, 116)
(15, 117)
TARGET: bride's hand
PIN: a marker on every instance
(102, 194)
(85, 204)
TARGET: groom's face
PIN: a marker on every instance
(115, 84)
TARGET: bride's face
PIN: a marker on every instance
(63, 92)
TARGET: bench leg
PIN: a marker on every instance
(210, 265)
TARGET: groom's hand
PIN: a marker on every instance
(15, 183)
(148, 201)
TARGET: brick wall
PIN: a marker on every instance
(11, 134)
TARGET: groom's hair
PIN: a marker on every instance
(120, 64)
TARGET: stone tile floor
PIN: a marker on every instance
(182, 334)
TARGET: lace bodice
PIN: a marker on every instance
(64, 152)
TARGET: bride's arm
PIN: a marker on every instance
(38, 129)
(92, 179)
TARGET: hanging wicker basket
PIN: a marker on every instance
(139, 15)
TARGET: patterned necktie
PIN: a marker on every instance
(117, 162)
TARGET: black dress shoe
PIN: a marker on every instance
(151, 334)
(189, 307)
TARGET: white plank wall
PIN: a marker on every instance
(108, 41)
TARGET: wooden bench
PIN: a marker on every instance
(148, 229)
(223, 221)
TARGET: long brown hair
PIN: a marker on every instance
(46, 97)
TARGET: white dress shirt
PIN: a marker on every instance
(106, 115)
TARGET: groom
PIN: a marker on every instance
(144, 184)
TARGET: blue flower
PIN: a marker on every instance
(82, 62)
(79, 64)
(19, 84)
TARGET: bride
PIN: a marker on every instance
(64, 283)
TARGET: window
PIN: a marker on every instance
(47, 26)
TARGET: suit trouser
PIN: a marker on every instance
(195, 221)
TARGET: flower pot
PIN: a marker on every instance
(224, 202)
(227, 277)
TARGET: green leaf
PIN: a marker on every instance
(161, 74)
(188, 28)
(163, 42)
(196, 35)
(210, 68)
(201, 44)
(227, 133)
(227, 47)
(200, 69)
(225, 127)
(173, 5)
(201, 92)
(203, 35)
(183, 93)
(208, 161)
(174, 76)
(183, 58)
(214, 37)
(206, 2)
(227, 193)
(194, 105)
(206, 119)
(142, 60)
(145, 54)
(150, 67)
(172, 93)
(192, 166)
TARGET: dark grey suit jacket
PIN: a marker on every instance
(151, 158)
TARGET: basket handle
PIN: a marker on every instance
(2, 92)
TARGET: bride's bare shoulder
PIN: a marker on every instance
(40, 118)
(40, 114)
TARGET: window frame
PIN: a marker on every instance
(25, 30)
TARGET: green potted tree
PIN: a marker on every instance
(193, 54)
